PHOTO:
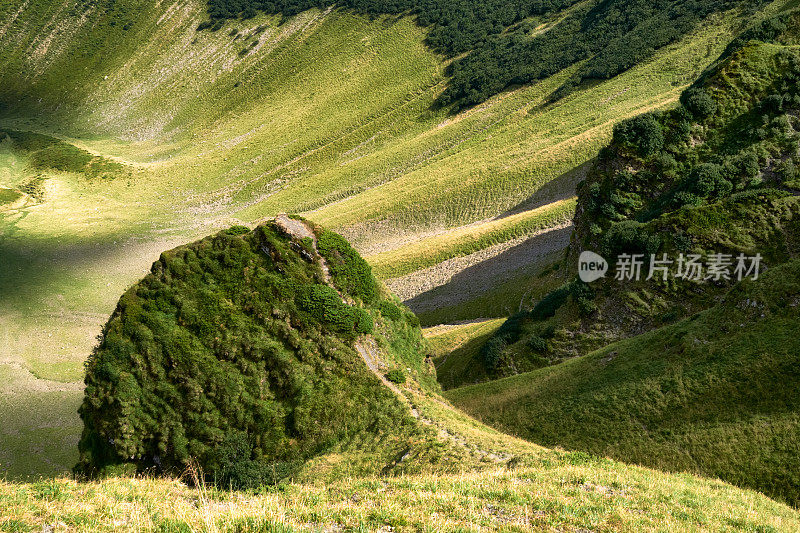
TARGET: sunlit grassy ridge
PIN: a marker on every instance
(562, 492)
(468, 239)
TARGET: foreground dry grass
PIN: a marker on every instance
(565, 492)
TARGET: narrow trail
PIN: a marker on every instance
(369, 351)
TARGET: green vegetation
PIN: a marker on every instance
(713, 394)
(735, 137)
(456, 351)
(350, 272)
(9, 196)
(567, 491)
(712, 176)
(326, 111)
(466, 240)
(396, 376)
(505, 41)
(47, 153)
(235, 353)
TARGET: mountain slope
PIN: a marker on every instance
(256, 357)
(714, 394)
(325, 112)
(716, 175)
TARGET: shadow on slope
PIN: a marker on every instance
(460, 280)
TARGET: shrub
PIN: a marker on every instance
(746, 166)
(609, 211)
(629, 237)
(536, 343)
(682, 242)
(547, 306)
(788, 171)
(325, 305)
(708, 179)
(390, 311)
(237, 230)
(492, 352)
(642, 134)
(350, 272)
(683, 198)
(397, 376)
(586, 307)
(699, 102)
(363, 322)
(772, 104)
(549, 332)
(234, 466)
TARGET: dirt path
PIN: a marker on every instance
(296, 228)
(367, 347)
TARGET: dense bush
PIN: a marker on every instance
(736, 131)
(499, 38)
(642, 134)
(547, 306)
(237, 230)
(698, 102)
(327, 307)
(536, 343)
(350, 272)
(708, 179)
(230, 354)
(390, 311)
(494, 352)
(61, 156)
(629, 237)
(237, 466)
(396, 376)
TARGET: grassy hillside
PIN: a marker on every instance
(326, 112)
(270, 360)
(714, 394)
(716, 175)
(566, 492)
(455, 350)
(498, 44)
(245, 353)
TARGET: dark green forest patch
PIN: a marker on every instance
(504, 41)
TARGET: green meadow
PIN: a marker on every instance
(327, 113)
(125, 131)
